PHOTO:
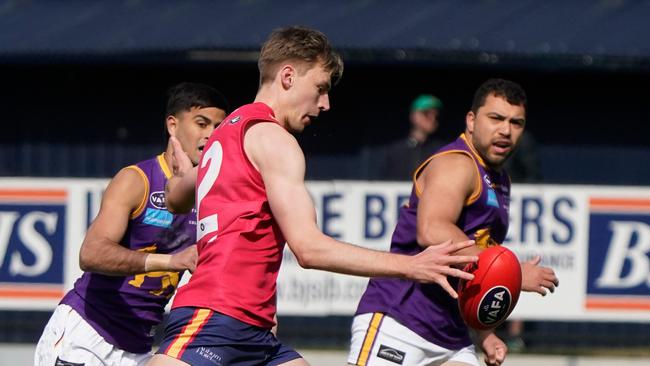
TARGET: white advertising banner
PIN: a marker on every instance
(363, 213)
(597, 239)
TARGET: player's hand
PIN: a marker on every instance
(181, 162)
(436, 262)
(184, 260)
(493, 348)
(535, 278)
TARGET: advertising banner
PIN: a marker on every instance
(597, 239)
(42, 225)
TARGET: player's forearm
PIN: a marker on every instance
(335, 256)
(435, 233)
(109, 258)
(482, 334)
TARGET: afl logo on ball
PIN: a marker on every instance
(495, 306)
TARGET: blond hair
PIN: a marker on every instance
(301, 44)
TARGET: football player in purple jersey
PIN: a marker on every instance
(461, 192)
(134, 251)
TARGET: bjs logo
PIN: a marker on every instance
(32, 238)
(619, 254)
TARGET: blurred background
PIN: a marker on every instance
(83, 94)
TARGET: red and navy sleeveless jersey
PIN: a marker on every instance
(239, 242)
(427, 309)
(124, 310)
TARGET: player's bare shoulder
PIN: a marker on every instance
(267, 132)
(458, 167)
(128, 187)
(270, 142)
(457, 160)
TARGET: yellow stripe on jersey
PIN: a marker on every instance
(200, 317)
(483, 239)
(478, 190)
(143, 202)
(478, 157)
(163, 165)
(416, 174)
(369, 340)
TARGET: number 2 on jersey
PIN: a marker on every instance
(212, 158)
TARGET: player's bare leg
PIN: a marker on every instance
(164, 360)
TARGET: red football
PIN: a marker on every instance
(487, 300)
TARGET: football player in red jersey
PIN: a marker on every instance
(251, 199)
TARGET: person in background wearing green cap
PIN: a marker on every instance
(403, 156)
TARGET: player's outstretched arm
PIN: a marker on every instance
(179, 190)
(101, 251)
(281, 163)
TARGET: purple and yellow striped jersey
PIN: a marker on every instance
(124, 310)
(426, 308)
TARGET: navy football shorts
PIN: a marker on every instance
(205, 337)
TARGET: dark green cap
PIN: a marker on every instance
(424, 102)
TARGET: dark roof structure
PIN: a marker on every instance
(580, 32)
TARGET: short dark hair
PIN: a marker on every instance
(511, 91)
(185, 96)
(301, 44)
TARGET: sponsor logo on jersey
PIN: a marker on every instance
(487, 180)
(492, 198)
(618, 272)
(391, 354)
(235, 119)
(160, 218)
(494, 305)
(157, 199)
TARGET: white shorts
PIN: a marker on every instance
(69, 340)
(379, 340)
